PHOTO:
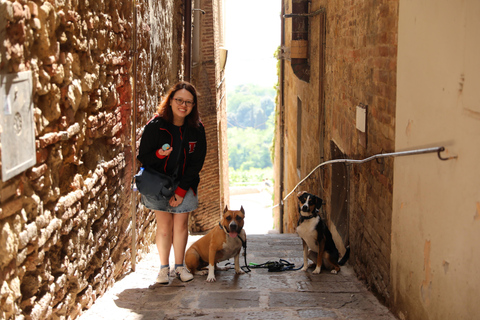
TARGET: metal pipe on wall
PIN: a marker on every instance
(188, 41)
(133, 138)
(438, 150)
(196, 33)
(282, 120)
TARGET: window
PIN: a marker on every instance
(299, 45)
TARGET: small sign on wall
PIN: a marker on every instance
(17, 133)
(361, 124)
(361, 119)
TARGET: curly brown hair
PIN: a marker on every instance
(164, 109)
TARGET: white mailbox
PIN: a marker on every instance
(17, 134)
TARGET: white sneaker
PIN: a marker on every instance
(183, 274)
(163, 276)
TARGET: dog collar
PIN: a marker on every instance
(313, 215)
(307, 217)
(226, 232)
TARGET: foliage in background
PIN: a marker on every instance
(250, 148)
(250, 131)
(250, 106)
(251, 116)
(277, 102)
(251, 176)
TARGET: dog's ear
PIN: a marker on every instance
(226, 209)
(318, 203)
(243, 211)
(301, 196)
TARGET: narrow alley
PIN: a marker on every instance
(350, 80)
(258, 294)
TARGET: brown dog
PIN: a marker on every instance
(221, 243)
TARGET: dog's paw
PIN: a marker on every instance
(305, 268)
(202, 272)
(239, 271)
(317, 270)
(334, 271)
(211, 279)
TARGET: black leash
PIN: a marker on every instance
(245, 268)
(277, 266)
(273, 266)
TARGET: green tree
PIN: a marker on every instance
(249, 148)
(249, 106)
(250, 129)
(267, 105)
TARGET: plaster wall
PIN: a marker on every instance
(436, 204)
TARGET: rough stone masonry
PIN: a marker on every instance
(65, 227)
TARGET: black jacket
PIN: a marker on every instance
(156, 133)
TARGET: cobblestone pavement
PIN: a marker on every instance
(259, 294)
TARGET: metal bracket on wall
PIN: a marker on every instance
(311, 14)
(441, 149)
(283, 53)
(202, 11)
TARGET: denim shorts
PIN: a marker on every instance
(189, 203)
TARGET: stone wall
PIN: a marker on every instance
(65, 225)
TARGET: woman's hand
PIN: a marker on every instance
(164, 153)
(175, 200)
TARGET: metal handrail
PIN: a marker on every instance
(438, 150)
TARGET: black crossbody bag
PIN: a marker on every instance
(150, 182)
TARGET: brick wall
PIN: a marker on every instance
(360, 67)
(65, 226)
(207, 76)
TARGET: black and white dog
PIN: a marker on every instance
(317, 240)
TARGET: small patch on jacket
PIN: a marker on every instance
(191, 146)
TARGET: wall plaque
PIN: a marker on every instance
(17, 132)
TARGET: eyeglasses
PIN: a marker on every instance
(188, 103)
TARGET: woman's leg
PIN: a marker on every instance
(180, 236)
(164, 235)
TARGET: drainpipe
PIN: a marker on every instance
(188, 40)
(133, 139)
(282, 119)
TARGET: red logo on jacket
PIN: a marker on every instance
(191, 146)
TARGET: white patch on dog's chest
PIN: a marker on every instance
(306, 231)
(231, 247)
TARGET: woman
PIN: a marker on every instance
(177, 128)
